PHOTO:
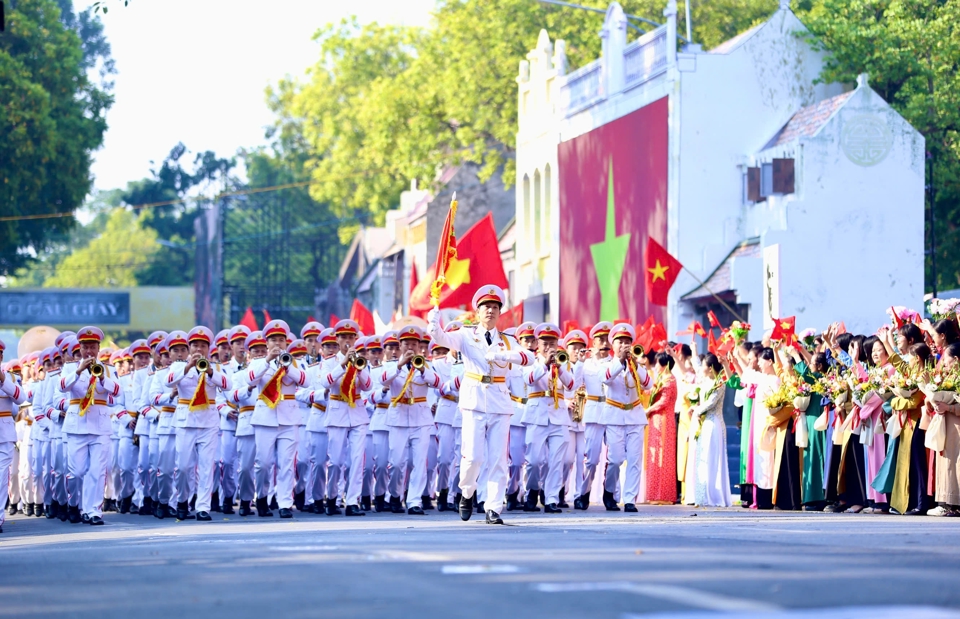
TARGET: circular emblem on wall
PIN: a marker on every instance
(866, 139)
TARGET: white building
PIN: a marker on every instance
(784, 196)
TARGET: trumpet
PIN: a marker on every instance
(203, 365)
(637, 350)
(418, 362)
(285, 358)
(97, 370)
(358, 362)
(562, 357)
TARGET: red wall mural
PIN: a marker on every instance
(613, 197)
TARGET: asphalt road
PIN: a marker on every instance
(662, 562)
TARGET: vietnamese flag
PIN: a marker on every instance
(785, 330)
(476, 263)
(363, 317)
(713, 319)
(711, 342)
(662, 270)
(334, 319)
(510, 318)
(249, 321)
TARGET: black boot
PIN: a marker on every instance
(64, 512)
(480, 508)
(52, 510)
(125, 504)
(395, 505)
(466, 508)
(552, 508)
(530, 505)
(365, 503)
(300, 500)
(513, 501)
(74, 514)
(286, 512)
(28, 509)
(563, 502)
(193, 503)
(263, 510)
(442, 505)
(273, 503)
(146, 507)
(227, 505)
(427, 502)
(543, 498)
(609, 502)
(332, 509)
(183, 511)
(582, 501)
(379, 503)
(215, 501)
(38, 510)
(12, 510)
(160, 511)
(630, 507)
(245, 508)
(354, 510)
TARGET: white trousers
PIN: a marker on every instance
(535, 457)
(433, 448)
(574, 464)
(369, 468)
(447, 456)
(128, 456)
(317, 443)
(277, 451)
(58, 472)
(38, 458)
(518, 436)
(28, 489)
(113, 470)
(167, 469)
(484, 441)
(228, 463)
(302, 466)
(380, 457)
(557, 439)
(196, 455)
(345, 447)
(409, 443)
(13, 489)
(246, 454)
(150, 466)
(87, 468)
(7, 452)
(593, 445)
(624, 443)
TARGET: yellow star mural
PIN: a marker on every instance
(659, 271)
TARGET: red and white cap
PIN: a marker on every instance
(223, 337)
(176, 338)
(255, 338)
(547, 330)
(155, 338)
(374, 343)
(139, 347)
(411, 332)
(297, 347)
(238, 332)
(328, 336)
(525, 329)
(90, 334)
(489, 294)
(67, 343)
(276, 327)
(623, 330)
(361, 344)
(347, 327)
(601, 329)
(390, 339)
(311, 328)
(200, 334)
(575, 337)
(63, 335)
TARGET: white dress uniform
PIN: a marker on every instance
(409, 421)
(228, 438)
(58, 452)
(484, 399)
(346, 430)
(448, 426)
(164, 399)
(146, 418)
(315, 449)
(40, 453)
(197, 432)
(11, 396)
(593, 375)
(88, 439)
(277, 430)
(573, 462)
(550, 424)
(370, 400)
(518, 431)
(245, 399)
(624, 418)
(128, 453)
(380, 442)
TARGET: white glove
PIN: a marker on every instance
(434, 317)
(494, 356)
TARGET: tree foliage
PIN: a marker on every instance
(52, 117)
(911, 50)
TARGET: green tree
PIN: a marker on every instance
(113, 259)
(52, 118)
(911, 49)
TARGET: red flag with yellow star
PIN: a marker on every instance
(785, 330)
(476, 263)
(662, 270)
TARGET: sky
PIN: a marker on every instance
(195, 71)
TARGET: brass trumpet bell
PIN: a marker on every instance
(359, 363)
(418, 362)
(286, 358)
(562, 357)
(637, 350)
(97, 370)
(203, 365)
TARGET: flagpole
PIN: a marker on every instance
(443, 257)
(712, 293)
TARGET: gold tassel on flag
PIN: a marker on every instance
(446, 251)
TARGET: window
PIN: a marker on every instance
(766, 179)
(527, 225)
(752, 181)
(782, 176)
(537, 207)
(547, 208)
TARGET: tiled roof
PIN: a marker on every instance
(809, 120)
(721, 279)
(731, 44)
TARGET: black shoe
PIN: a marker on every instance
(442, 505)
(630, 507)
(513, 502)
(609, 502)
(193, 503)
(160, 512)
(552, 508)
(563, 499)
(365, 503)
(273, 503)
(74, 514)
(332, 509)
(263, 510)
(126, 504)
(84, 518)
(63, 515)
(52, 510)
(146, 507)
(480, 509)
(107, 505)
(530, 505)
(416, 511)
(916, 511)
(245, 508)
(28, 509)
(427, 502)
(215, 502)
(12, 510)
(543, 498)
(203, 517)
(183, 511)
(354, 510)
(379, 503)
(96, 521)
(227, 507)
(300, 500)
(493, 518)
(466, 508)
(584, 501)
(171, 512)
(286, 512)
(396, 506)
(457, 499)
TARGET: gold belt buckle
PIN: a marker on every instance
(628, 407)
(486, 380)
(602, 399)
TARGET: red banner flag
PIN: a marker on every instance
(272, 393)
(477, 263)
(363, 317)
(510, 318)
(446, 253)
(249, 321)
(570, 325)
(334, 319)
(785, 330)
(713, 319)
(662, 270)
(711, 342)
(266, 316)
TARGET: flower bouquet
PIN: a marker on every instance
(904, 386)
(942, 387)
(801, 401)
(739, 331)
(901, 314)
(942, 309)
